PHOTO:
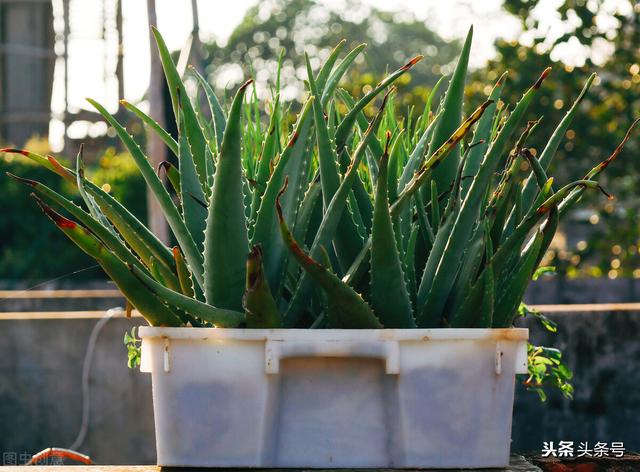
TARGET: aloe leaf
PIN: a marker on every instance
(443, 265)
(394, 165)
(389, 296)
(122, 219)
(163, 275)
(469, 270)
(173, 176)
(184, 276)
(538, 172)
(267, 156)
(137, 236)
(481, 137)
(94, 210)
(423, 221)
(434, 160)
(347, 309)
(347, 242)
(510, 295)
(410, 267)
(552, 145)
(41, 160)
(477, 309)
(149, 306)
(427, 118)
(219, 317)
(259, 305)
(112, 241)
(193, 213)
(418, 179)
(327, 67)
(451, 117)
(333, 79)
(217, 113)
(153, 124)
(330, 221)
(266, 232)
(417, 155)
(345, 127)
(171, 213)
(435, 207)
(309, 203)
(226, 241)
(577, 193)
(179, 98)
(361, 121)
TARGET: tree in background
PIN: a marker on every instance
(296, 26)
(609, 40)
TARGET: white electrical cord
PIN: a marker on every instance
(86, 368)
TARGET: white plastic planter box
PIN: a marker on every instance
(333, 398)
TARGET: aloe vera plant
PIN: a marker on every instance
(437, 220)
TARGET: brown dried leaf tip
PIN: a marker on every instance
(254, 266)
(29, 182)
(412, 62)
(57, 218)
(543, 76)
(15, 151)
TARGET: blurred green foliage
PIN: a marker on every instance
(296, 26)
(33, 251)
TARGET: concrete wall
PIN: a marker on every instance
(41, 395)
(40, 388)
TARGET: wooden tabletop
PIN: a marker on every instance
(518, 464)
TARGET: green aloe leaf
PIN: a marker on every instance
(259, 305)
(327, 67)
(149, 306)
(184, 276)
(330, 221)
(348, 241)
(173, 176)
(113, 242)
(179, 98)
(153, 124)
(266, 232)
(345, 128)
(217, 113)
(219, 317)
(477, 309)
(265, 161)
(191, 193)
(334, 78)
(577, 192)
(510, 295)
(451, 117)
(171, 213)
(389, 296)
(226, 241)
(552, 145)
(482, 137)
(94, 210)
(443, 265)
(347, 309)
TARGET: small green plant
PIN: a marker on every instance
(133, 348)
(545, 365)
(547, 370)
(426, 221)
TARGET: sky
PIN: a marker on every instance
(92, 60)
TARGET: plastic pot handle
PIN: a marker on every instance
(387, 351)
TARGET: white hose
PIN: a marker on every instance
(86, 368)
